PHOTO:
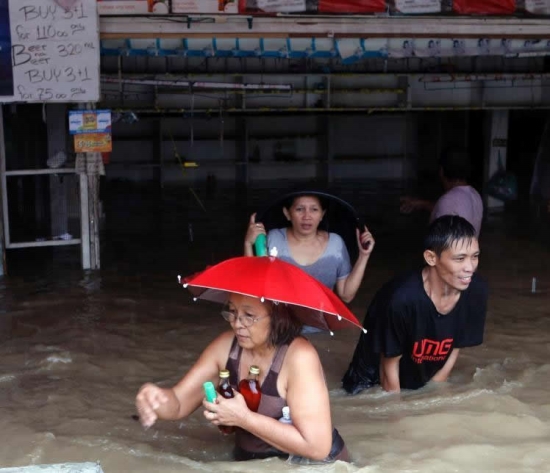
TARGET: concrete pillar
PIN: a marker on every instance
(496, 133)
(56, 125)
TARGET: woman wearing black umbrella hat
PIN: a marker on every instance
(310, 230)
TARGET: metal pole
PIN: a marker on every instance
(6, 239)
(84, 221)
(93, 202)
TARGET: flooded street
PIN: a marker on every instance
(75, 347)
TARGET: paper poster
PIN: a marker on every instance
(89, 121)
(93, 143)
(54, 51)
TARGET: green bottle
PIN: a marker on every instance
(209, 391)
(260, 245)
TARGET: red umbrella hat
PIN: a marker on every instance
(273, 279)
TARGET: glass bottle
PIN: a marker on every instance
(250, 389)
(226, 391)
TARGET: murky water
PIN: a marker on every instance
(75, 347)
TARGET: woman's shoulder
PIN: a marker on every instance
(301, 350)
(278, 233)
(336, 239)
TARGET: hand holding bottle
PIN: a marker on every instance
(254, 230)
(226, 412)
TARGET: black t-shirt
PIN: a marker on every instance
(402, 320)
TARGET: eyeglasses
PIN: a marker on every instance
(245, 320)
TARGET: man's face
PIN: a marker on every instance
(457, 264)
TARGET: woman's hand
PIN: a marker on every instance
(226, 411)
(149, 398)
(365, 242)
(254, 229)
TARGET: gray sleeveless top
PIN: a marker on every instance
(271, 404)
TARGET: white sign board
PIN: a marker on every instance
(283, 6)
(55, 52)
(418, 6)
(538, 7)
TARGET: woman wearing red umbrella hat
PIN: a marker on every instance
(266, 312)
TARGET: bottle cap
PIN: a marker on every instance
(254, 370)
(224, 373)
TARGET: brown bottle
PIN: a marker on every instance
(250, 389)
(226, 391)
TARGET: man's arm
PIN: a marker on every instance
(444, 372)
(389, 373)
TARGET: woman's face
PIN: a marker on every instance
(250, 319)
(305, 214)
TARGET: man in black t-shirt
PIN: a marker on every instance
(418, 322)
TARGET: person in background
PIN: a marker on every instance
(321, 254)
(459, 198)
(418, 322)
(268, 336)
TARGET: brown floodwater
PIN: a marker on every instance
(76, 346)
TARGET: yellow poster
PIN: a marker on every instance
(93, 143)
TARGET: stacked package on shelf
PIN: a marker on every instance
(484, 7)
(277, 6)
(352, 6)
(536, 7)
(133, 7)
(205, 6)
(418, 7)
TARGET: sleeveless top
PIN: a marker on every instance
(250, 447)
(271, 404)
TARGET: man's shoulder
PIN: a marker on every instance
(402, 289)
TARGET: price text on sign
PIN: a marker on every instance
(55, 52)
(93, 143)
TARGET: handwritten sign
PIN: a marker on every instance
(55, 52)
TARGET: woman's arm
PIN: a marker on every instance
(154, 402)
(347, 288)
(310, 434)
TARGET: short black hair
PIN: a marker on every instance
(444, 231)
(455, 164)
